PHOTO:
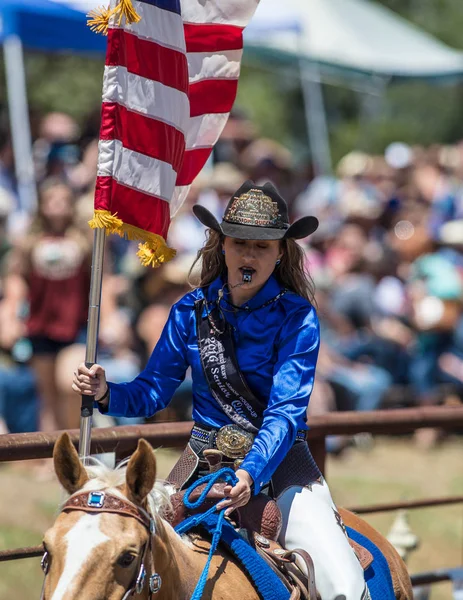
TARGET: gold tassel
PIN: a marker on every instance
(125, 9)
(155, 254)
(103, 219)
(98, 19)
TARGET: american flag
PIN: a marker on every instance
(169, 84)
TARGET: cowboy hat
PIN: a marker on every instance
(257, 213)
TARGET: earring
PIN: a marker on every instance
(223, 251)
(278, 262)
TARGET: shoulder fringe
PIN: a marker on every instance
(153, 252)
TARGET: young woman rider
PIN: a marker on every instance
(250, 334)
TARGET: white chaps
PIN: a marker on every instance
(312, 523)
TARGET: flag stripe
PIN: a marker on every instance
(103, 186)
(137, 171)
(157, 25)
(212, 96)
(129, 90)
(142, 134)
(132, 206)
(205, 130)
(238, 12)
(143, 211)
(147, 59)
(170, 5)
(193, 162)
(212, 38)
(208, 65)
(180, 194)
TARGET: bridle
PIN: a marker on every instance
(102, 502)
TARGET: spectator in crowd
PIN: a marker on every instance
(18, 397)
(387, 262)
(49, 274)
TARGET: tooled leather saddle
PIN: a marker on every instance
(260, 521)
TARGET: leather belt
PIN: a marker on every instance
(233, 441)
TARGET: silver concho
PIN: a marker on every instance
(233, 441)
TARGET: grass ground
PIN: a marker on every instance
(392, 470)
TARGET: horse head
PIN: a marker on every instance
(100, 546)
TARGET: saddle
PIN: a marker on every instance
(260, 521)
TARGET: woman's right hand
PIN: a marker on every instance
(90, 381)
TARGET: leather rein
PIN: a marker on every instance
(102, 502)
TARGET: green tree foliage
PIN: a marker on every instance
(59, 82)
(70, 84)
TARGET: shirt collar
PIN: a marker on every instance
(269, 290)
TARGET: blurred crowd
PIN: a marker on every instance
(387, 261)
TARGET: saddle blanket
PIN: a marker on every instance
(377, 576)
(266, 582)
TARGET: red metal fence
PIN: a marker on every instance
(123, 441)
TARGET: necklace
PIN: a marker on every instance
(246, 308)
(221, 309)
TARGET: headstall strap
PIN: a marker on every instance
(45, 564)
(96, 501)
(108, 503)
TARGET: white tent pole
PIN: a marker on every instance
(19, 123)
(372, 106)
(315, 114)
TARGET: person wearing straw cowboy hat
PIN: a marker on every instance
(250, 334)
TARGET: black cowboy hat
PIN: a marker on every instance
(257, 213)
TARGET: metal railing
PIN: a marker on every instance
(123, 441)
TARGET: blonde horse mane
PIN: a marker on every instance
(102, 477)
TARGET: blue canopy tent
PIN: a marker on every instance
(39, 25)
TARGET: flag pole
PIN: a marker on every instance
(86, 410)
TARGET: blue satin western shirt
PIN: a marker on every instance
(276, 348)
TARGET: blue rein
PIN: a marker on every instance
(228, 475)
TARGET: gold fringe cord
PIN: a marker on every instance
(98, 19)
(153, 252)
(103, 219)
(125, 9)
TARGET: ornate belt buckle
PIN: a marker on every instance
(233, 441)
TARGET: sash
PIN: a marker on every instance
(223, 375)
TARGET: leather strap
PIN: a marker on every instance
(96, 501)
(307, 560)
(109, 504)
(286, 562)
(365, 556)
(184, 469)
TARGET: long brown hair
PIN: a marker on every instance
(290, 273)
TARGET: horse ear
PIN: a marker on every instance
(141, 473)
(68, 468)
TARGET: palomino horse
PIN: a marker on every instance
(101, 555)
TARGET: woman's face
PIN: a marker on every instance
(57, 207)
(259, 256)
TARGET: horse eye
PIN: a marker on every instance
(126, 559)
